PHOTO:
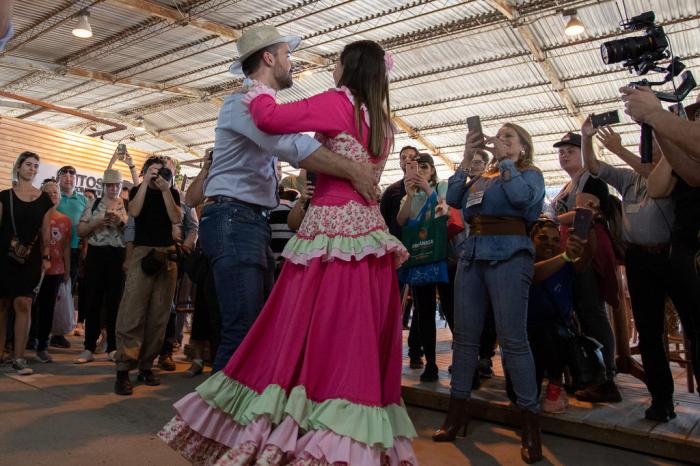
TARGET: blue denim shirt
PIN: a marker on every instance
(520, 196)
(6, 38)
(244, 157)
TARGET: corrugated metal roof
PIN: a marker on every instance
(442, 75)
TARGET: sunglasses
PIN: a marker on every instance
(67, 171)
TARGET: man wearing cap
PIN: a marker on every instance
(72, 205)
(589, 306)
(242, 186)
(6, 29)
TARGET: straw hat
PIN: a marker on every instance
(111, 177)
(258, 38)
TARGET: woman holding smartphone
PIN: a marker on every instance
(495, 269)
(421, 181)
(102, 223)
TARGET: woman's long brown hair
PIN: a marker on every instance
(525, 161)
(364, 73)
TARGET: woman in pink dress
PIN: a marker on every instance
(317, 380)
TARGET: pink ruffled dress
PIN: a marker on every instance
(317, 380)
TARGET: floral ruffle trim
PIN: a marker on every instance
(301, 251)
(263, 445)
(370, 425)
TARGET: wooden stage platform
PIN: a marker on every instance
(617, 424)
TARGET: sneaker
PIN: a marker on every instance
(485, 368)
(556, 400)
(85, 357)
(660, 411)
(43, 356)
(604, 393)
(59, 341)
(195, 369)
(112, 356)
(21, 366)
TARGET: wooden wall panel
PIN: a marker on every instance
(57, 147)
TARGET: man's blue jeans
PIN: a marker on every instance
(236, 238)
(505, 286)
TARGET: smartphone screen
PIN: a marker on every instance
(582, 222)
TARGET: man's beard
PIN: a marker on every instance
(284, 80)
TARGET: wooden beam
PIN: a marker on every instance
(413, 134)
(513, 15)
(60, 70)
(173, 14)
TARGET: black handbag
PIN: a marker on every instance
(151, 264)
(18, 252)
(585, 360)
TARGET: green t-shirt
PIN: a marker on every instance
(73, 207)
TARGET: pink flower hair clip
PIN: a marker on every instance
(388, 61)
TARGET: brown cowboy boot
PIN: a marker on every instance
(456, 419)
(531, 449)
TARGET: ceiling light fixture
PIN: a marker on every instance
(574, 26)
(82, 27)
(140, 124)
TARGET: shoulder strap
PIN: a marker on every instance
(95, 204)
(12, 212)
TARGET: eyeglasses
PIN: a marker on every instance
(476, 161)
(67, 171)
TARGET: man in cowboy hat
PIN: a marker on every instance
(242, 187)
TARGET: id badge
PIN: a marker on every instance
(632, 208)
(475, 198)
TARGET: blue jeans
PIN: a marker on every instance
(505, 286)
(236, 238)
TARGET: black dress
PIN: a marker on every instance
(20, 280)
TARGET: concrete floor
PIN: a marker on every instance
(67, 414)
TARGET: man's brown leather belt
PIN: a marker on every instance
(485, 225)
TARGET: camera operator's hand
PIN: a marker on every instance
(610, 139)
(640, 103)
(587, 129)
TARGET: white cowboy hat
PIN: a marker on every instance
(258, 38)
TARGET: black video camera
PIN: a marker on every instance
(641, 53)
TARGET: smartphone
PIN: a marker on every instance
(209, 153)
(121, 151)
(311, 178)
(582, 222)
(605, 119)
(411, 168)
(474, 127)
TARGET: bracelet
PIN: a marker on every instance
(566, 257)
